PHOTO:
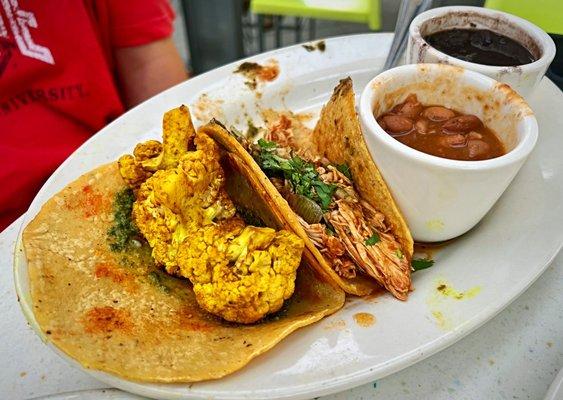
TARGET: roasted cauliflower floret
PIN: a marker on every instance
(244, 278)
(155, 216)
(151, 156)
(132, 172)
(148, 155)
(238, 272)
(176, 201)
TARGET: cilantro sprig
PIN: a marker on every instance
(373, 239)
(421, 263)
(302, 175)
(265, 144)
(345, 169)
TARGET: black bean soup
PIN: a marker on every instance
(480, 46)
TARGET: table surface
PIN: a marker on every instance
(514, 356)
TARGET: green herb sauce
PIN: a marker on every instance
(157, 278)
(123, 230)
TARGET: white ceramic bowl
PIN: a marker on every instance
(443, 198)
(523, 78)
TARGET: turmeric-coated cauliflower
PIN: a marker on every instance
(238, 272)
(241, 276)
(151, 156)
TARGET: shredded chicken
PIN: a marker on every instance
(344, 267)
(355, 220)
(330, 174)
(383, 260)
(288, 130)
(331, 247)
(361, 241)
(280, 132)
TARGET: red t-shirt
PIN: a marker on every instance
(57, 82)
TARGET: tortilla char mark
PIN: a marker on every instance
(107, 319)
(89, 201)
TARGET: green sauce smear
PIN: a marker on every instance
(123, 230)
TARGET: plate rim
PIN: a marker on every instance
(303, 391)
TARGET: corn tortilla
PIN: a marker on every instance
(117, 312)
(338, 137)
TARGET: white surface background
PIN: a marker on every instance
(514, 356)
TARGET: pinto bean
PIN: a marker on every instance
(437, 113)
(382, 123)
(397, 124)
(474, 135)
(477, 148)
(457, 140)
(421, 126)
(411, 108)
(462, 124)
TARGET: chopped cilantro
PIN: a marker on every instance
(399, 254)
(265, 144)
(421, 263)
(324, 192)
(302, 175)
(345, 170)
(123, 229)
(373, 239)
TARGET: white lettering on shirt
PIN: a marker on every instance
(20, 21)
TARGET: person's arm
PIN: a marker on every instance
(146, 70)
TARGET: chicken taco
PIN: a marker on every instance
(170, 265)
(333, 196)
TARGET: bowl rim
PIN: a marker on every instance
(545, 41)
(524, 147)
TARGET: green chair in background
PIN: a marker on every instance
(360, 11)
(547, 14)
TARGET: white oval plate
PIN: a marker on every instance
(498, 259)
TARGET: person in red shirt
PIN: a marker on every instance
(67, 68)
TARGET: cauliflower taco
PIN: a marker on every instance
(333, 196)
(171, 265)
